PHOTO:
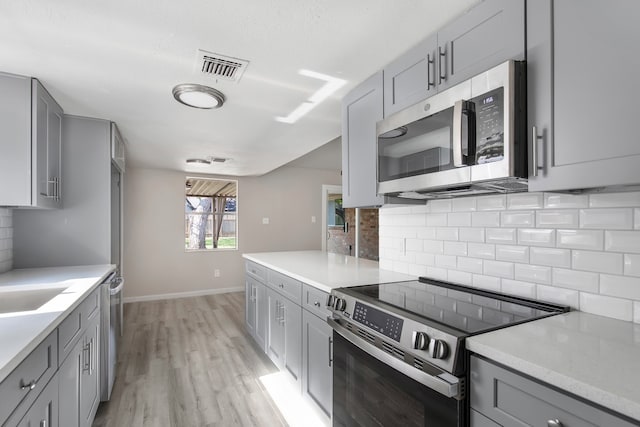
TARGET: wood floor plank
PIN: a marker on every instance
(189, 362)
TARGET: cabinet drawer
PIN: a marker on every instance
(315, 301)
(24, 384)
(290, 288)
(511, 399)
(90, 306)
(73, 325)
(256, 271)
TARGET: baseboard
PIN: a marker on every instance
(158, 297)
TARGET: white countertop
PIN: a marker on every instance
(327, 271)
(594, 357)
(21, 332)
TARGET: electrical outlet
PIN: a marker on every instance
(265, 220)
(313, 219)
(216, 273)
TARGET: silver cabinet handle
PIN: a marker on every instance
(43, 423)
(85, 358)
(316, 303)
(534, 151)
(442, 53)
(92, 365)
(430, 63)
(554, 423)
(29, 386)
(330, 351)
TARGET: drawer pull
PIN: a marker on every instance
(30, 386)
(554, 423)
(316, 303)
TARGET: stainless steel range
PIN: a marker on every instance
(398, 349)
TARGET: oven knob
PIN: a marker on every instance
(340, 304)
(420, 340)
(438, 349)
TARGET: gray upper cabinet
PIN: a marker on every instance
(317, 374)
(361, 109)
(117, 148)
(583, 139)
(412, 77)
(31, 143)
(487, 35)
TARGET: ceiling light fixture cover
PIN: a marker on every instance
(199, 161)
(198, 96)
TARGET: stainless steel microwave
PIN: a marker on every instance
(468, 139)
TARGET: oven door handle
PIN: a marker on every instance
(444, 383)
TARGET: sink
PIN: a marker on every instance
(26, 300)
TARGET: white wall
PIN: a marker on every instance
(6, 240)
(580, 250)
(155, 261)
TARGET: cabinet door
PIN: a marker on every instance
(293, 340)
(485, 36)
(261, 314)
(117, 148)
(412, 77)
(250, 306)
(275, 329)
(90, 376)
(317, 373)
(361, 109)
(585, 138)
(44, 411)
(69, 385)
(47, 148)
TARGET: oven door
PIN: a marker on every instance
(369, 392)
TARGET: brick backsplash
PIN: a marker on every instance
(6, 240)
(579, 250)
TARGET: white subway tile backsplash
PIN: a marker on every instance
(6, 239)
(614, 200)
(455, 248)
(601, 262)
(636, 311)
(414, 245)
(564, 201)
(636, 220)
(471, 234)
(536, 237)
(580, 239)
(533, 273)
(632, 265)
(417, 270)
(556, 218)
(617, 308)
(518, 288)
(486, 282)
(558, 295)
(622, 241)
(498, 269)
(436, 206)
(426, 233)
(419, 209)
(437, 220)
(491, 203)
(447, 233)
(500, 235)
(425, 259)
(512, 253)
(481, 250)
(525, 201)
(464, 204)
(485, 219)
(459, 219)
(434, 246)
(460, 277)
(550, 256)
(517, 219)
(471, 265)
(620, 286)
(578, 280)
(612, 219)
(437, 273)
(446, 261)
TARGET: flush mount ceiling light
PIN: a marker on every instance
(198, 161)
(332, 84)
(198, 96)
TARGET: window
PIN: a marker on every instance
(210, 212)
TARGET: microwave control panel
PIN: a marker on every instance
(489, 110)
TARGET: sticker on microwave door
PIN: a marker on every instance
(490, 149)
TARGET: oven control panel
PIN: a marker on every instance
(381, 322)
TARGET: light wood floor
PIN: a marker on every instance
(189, 362)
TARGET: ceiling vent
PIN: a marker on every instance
(220, 66)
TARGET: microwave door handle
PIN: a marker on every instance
(463, 108)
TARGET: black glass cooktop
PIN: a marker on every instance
(469, 310)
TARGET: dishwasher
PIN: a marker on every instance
(111, 331)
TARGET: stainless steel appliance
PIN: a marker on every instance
(111, 331)
(399, 354)
(468, 139)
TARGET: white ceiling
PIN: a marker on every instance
(120, 59)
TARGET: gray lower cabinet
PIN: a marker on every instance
(31, 143)
(275, 328)
(256, 311)
(317, 372)
(44, 411)
(583, 140)
(293, 340)
(361, 109)
(501, 397)
(487, 35)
